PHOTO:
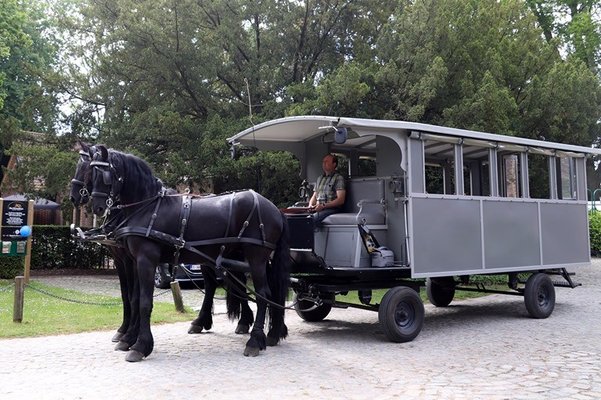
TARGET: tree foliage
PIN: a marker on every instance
(574, 24)
(169, 80)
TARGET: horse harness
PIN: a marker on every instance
(121, 231)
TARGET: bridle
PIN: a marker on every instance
(83, 191)
(109, 173)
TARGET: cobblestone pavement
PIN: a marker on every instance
(485, 348)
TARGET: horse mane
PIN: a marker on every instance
(136, 173)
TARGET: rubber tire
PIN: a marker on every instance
(539, 295)
(317, 314)
(161, 279)
(401, 314)
(440, 291)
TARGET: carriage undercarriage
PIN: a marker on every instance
(401, 310)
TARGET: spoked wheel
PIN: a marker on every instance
(161, 280)
(539, 295)
(440, 291)
(311, 312)
(401, 314)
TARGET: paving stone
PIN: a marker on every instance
(484, 348)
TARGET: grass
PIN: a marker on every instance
(44, 315)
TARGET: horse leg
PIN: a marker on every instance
(237, 303)
(278, 278)
(277, 329)
(123, 284)
(133, 290)
(258, 261)
(145, 269)
(205, 317)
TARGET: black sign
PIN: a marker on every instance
(14, 216)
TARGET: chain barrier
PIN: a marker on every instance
(56, 296)
(59, 297)
(92, 303)
(161, 293)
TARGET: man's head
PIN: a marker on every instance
(329, 163)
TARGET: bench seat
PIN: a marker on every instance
(364, 203)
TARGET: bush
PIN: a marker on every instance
(594, 226)
(11, 266)
(53, 248)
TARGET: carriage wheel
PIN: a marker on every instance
(539, 295)
(401, 314)
(440, 291)
(309, 312)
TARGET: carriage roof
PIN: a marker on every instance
(301, 129)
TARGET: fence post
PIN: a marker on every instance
(177, 296)
(19, 297)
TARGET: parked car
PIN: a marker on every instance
(188, 275)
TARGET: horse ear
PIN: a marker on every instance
(104, 153)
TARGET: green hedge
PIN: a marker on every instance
(10, 266)
(594, 226)
(53, 248)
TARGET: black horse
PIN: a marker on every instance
(238, 231)
(80, 194)
(237, 304)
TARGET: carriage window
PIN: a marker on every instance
(435, 178)
(476, 177)
(343, 164)
(366, 166)
(510, 174)
(440, 167)
(566, 175)
(538, 176)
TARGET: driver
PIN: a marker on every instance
(328, 197)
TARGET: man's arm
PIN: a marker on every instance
(313, 200)
(339, 200)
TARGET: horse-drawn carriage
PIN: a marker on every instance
(443, 205)
(426, 206)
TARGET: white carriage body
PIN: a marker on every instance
(446, 201)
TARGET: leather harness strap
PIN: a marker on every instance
(179, 243)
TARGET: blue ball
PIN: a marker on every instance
(25, 231)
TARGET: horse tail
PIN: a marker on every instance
(278, 277)
(234, 294)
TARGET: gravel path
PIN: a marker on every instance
(485, 348)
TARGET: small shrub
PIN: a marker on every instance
(594, 226)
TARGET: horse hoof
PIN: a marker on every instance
(195, 329)
(271, 341)
(242, 329)
(122, 346)
(134, 356)
(117, 337)
(251, 351)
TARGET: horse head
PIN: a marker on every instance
(81, 184)
(106, 182)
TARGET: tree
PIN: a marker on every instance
(478, 65)
(572, 25)
(161, 70)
